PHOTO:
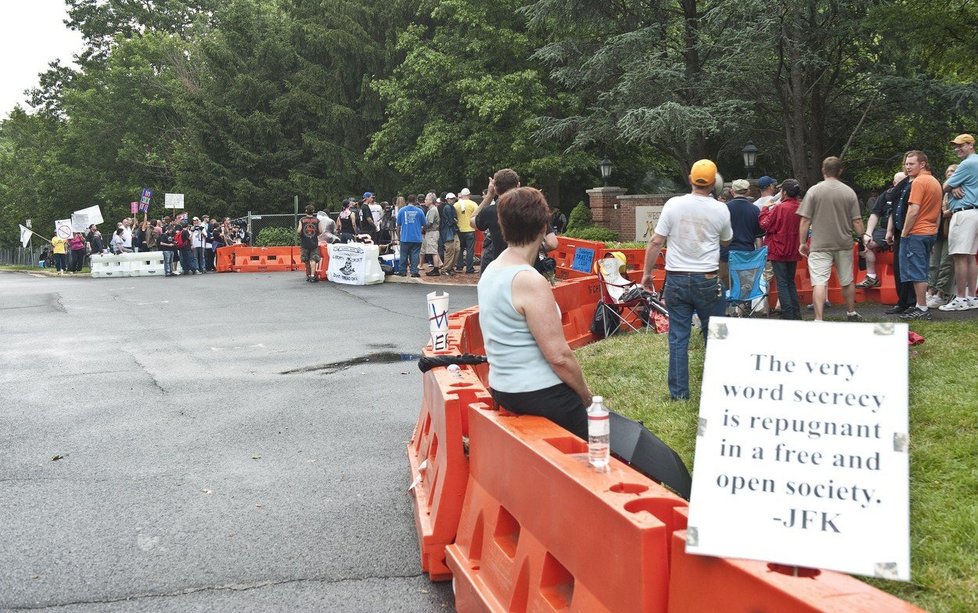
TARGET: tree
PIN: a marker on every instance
(464, 101)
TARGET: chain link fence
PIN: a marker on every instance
(20, 256)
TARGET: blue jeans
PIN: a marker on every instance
(685, 294)
(200, 264)
(187, 260)
(784, 274)
(466, 243)
(168, 263)
(410, 254)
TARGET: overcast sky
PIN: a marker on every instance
(32, 34)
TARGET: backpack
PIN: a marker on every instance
(179, 240)
(310, 232)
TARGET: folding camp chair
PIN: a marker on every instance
(625, 304)
(747, 293)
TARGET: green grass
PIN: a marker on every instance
(630, 371)
(44, 271)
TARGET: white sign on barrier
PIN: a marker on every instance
(347, 264)
(802, 446)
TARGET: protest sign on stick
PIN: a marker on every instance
(144, 199)
(62, 228)
(173, 201)
(93, 214)
(802, 446)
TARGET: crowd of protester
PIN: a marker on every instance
(930, 226)
(188, 246)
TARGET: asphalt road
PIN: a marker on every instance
(154, 458)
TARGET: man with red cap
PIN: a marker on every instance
(695, 225)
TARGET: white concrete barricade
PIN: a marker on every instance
(145, 264)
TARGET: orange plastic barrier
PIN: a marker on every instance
(323, 266)
(708, 584)
(439, 468)
(577, 300)
(477, 248)
(542, 531)
(262, 259)
(224, 258)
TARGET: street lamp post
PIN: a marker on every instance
(605, 166)
(750, 158)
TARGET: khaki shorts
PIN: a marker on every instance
(963, 234)
(820, 266)
(430, 242)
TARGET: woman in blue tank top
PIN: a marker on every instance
(532, 369)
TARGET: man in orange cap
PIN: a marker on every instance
(696, 225)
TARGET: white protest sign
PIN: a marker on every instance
(802, 446)
(347, 264)
(438, 320)
(93, 213)
(79, 222)
(173, 201)
(62, 228)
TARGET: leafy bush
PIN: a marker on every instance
(276, 237)
(592, 233)
(580, 217)
(625, 245)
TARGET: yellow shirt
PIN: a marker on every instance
(59, 244)
(464, 209)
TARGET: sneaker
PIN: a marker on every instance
(934, 301)
(313, 279)
(972, 302)
(433, 273)
(896, 310)
(869, 282)
(415, 274)
(854, 317)
(956, 304)
(917, 313)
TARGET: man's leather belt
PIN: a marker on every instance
(967, 207)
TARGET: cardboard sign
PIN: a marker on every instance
(347, 264)
(62, 228)
(583, 259)
(173, 201)
(133, 207)
(802, 446)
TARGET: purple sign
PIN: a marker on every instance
(144, 199)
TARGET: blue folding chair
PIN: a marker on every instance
(747, 293)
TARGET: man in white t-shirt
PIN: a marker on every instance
(695, 225)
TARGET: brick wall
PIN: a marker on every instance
(612, 209)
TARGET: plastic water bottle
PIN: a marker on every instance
(598, 429)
